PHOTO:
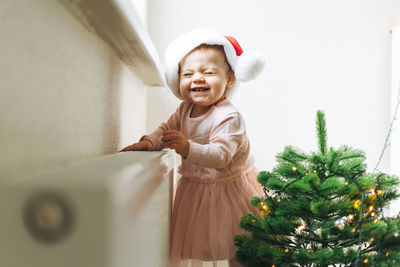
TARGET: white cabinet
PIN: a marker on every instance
(112, 211)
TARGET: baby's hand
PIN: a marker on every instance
(144, 145)
(175, 140)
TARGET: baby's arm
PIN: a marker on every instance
(153, 141)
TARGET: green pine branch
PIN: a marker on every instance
(321, 132)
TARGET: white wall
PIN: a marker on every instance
(141, 9)
(65, 95)
(395, 137)
(320, 54)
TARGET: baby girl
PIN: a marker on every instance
(217, 177)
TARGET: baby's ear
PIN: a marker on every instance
(231, 79)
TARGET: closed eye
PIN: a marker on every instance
(187, 74)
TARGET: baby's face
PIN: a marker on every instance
(204, 76)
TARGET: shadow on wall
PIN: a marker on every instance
(60, 99)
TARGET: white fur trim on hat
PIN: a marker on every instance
(246, 67)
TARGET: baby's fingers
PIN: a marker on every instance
(135, 147)
(169, 137)
(168, 144)
(149, 147)
(128, 148)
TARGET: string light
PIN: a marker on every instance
(279, 200)
(294, 169)
(373, 214)
(346, 183)
(371, 208)
(350, 217)
(357, 203)
(340, 164)
(301, 227)
(372, 239)
(253, 221)
(387, 254)
(354, 230)
(315, 171)
(287, 250)
(366, 261)
(396, 234)
(340, 226)
(264, 206)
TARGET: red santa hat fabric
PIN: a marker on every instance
(246, 65)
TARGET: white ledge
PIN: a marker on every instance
(117, 23)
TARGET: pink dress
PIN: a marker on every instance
(217, 181)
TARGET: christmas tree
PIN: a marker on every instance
(321, 209)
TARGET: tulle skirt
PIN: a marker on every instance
(206, 216)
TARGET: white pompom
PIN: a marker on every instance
(249, 66)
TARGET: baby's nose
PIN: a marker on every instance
(198, 77)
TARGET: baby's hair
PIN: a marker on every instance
(206, 47)
(220, 48)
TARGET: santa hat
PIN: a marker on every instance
(246, 65)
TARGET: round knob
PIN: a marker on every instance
(48, 217)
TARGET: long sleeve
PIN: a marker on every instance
(225, 140)
(173, 123)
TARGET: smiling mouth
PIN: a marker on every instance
(200, 89)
